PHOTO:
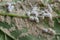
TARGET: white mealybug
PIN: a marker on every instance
(35, 11)
(42, 14)
(10, 7)
(37, 19)
(50, 9)
(33, 15)
(35, 8)
(51, 31)
(31, 18)
(28, 13)
(45, 30)
(46, 13)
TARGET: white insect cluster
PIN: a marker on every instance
(10, 7)
(34, 14)
(49, 31)
(52, 31)
(46, 13)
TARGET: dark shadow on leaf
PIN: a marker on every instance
(4, 25)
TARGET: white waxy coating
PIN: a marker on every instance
(52, 31)
(34, 15)
(28, 13)
(34, 12)
(46, 30)
(31, 18)
(10, 7)
(37, 19)
(50, 9)
(46, 13)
